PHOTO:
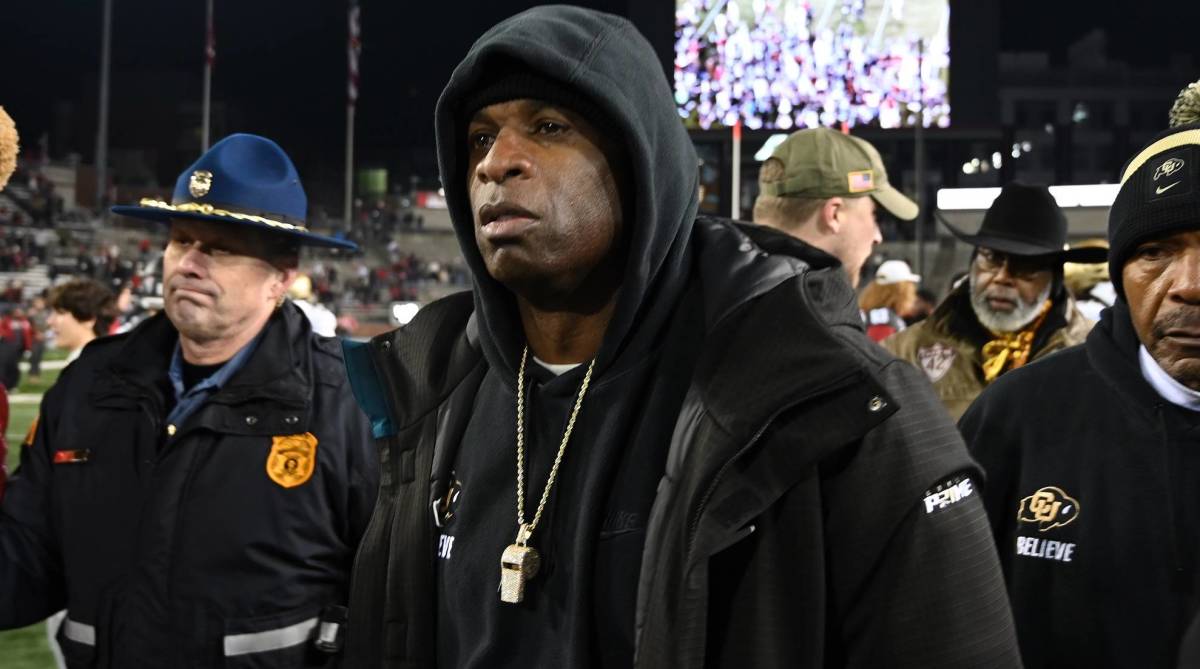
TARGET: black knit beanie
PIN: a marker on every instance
(1159, 196)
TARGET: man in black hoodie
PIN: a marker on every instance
(1091, 453)
(647, 439)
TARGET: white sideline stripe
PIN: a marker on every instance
(260, 642)
(46, 364)
(25, 398)
(79, 632)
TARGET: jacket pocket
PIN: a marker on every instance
(275, 641)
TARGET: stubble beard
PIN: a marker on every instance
(193, 321)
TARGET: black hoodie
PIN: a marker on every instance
(579, 607)
(607, 60)
(1091, 495)
(751, 483)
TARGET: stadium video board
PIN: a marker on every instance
(787, 64)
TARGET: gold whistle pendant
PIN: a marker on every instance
(518, 564)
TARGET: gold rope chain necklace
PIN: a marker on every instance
(519, 562)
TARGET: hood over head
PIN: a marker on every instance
(599, 66)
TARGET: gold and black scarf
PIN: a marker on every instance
(1010, 350)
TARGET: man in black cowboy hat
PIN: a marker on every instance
(1012, 309)
(194, 490)
(1091, 455)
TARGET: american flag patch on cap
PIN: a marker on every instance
(862, 181)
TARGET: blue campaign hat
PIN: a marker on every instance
(244, 180)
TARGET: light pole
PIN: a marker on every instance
(102, 130)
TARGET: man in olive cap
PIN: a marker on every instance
(815, 187)
(1012, 309)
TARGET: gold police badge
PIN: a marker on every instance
(292, 460)
(200, 183)
(1049, 507)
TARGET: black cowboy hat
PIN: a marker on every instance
(1026, 221)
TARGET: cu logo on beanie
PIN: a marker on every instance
(1168, 167)
(1170, 176)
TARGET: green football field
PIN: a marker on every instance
(25, 648)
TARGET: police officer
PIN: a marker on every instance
(194, 490)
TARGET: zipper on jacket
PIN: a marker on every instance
(156, 426)
(177, 533)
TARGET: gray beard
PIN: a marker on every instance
(1011, 322)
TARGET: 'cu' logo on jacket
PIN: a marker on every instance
(1049, 507)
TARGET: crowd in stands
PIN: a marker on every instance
(132, 274)
(778, 65)
(21, 246)
(375, 220)
(42, 206)
(403, 278)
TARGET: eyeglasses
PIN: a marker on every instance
(991, 261)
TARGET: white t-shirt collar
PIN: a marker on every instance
(557, 370)
(1171, 390)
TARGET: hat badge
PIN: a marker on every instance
(200, 183)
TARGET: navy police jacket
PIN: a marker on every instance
(213, 543)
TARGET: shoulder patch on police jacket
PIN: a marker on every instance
(32, 431)
(292, 459)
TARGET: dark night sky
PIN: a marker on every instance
(1140, 32)
(281, 67)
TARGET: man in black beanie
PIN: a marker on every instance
(647, 438)
(1091, 455)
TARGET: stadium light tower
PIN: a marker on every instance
(919, 156)
(102, 130)
(353, 53)
(210, 54)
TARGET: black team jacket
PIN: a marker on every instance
(812, 513)
(1091, 492)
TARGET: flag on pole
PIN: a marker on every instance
(354, 49)
(210, 39)
(210, 55)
